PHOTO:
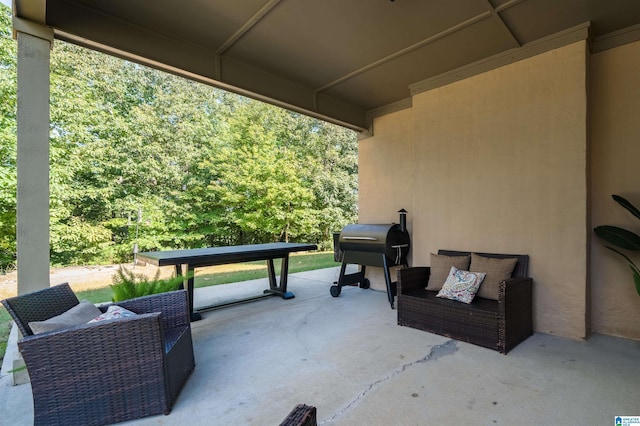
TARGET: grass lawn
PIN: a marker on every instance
(258, 269)
(244, 272)
(5, 327)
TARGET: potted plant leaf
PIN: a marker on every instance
(622, 238)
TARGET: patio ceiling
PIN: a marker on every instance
(342, 60)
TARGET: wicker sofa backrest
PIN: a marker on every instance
(40, 305)
(520, 271)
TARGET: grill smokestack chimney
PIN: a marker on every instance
(403, 219)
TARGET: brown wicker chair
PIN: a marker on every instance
(498, 325)
(109, 371)
(301, 415)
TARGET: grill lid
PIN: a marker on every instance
(389, 239)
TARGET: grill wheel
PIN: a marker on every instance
(335, 290)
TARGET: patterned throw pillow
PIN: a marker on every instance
(461, 285)
(113, 312)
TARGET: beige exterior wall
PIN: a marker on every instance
(615, 153)
(385, 178)
(498, 164)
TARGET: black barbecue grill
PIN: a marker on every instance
(382, 245)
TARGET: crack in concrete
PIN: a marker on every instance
(448, 348)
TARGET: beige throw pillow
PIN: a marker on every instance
(82, 313)
(441, 265)
(497, 270)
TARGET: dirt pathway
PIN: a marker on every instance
(98, 276)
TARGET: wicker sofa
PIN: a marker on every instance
(496, 324)
(109, 371)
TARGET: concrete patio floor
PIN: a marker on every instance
(349, 358)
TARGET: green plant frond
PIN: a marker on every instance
(16, 370)
(128, 285)
(631, 264)
(627, 205)
(619, 237)
(636, 279)
(622, 238)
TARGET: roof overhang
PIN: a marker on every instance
(342, 61)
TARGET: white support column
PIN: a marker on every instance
(33, 158)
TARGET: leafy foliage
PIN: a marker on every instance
(623, 238)
(7, 141)
(140, 156)
(128, 285)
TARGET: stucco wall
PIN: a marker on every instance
(384, 167)
(615, 148)
(385, 178)
(498, 163)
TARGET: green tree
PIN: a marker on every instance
(127, 135)
(259, 181)
(140, 156)
(8, 78)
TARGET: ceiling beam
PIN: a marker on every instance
(507, 30)
(348, 116)
(241, 32)
(35, 29)
(506, 5)
(422, 43)
(492, 12)
(246, 27)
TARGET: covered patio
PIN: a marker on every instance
(501, 126)
(347, 357)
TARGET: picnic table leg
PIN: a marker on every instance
(274, 288)
(284, 273)
(195, 316)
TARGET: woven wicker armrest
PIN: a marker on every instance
(412, 278)
(174, 306)
(515, 289)
(515, 312)
(514, 295)
(176, 328)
